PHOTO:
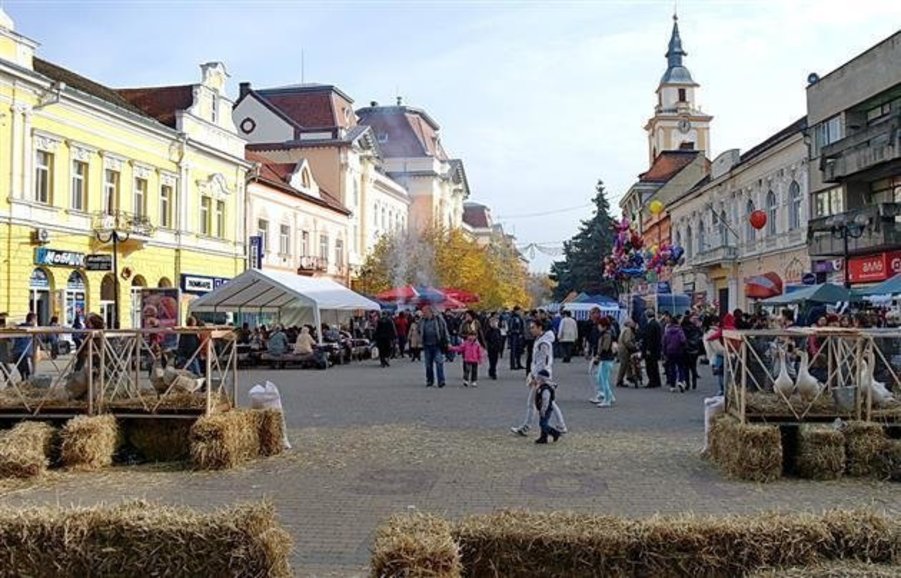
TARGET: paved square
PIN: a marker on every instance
(369, 442)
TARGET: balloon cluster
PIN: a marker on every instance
(631, 258)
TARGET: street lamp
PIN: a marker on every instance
(117, 227)
(843, 229)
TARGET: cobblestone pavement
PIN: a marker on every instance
(369, 442)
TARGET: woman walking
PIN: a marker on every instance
(694, 343)
(674, 352)
(604, 359)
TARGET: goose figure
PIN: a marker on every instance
(783, 384)
(868, 383)
(808, 386)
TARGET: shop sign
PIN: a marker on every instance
(874, 268)
(98, 262)
(201, 284)
(827, 266)
(54, 258)
(809, 279)
(256, 252)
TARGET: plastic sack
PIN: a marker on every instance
(268, 397)
(713, 406)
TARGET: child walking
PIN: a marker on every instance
(544, 403)
(473, 355)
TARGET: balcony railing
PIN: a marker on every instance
(721, 253)
(310, 265)
(881, 232)
(122, 222)
(862, 150)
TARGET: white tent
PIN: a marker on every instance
(296, 299)
(581, 311)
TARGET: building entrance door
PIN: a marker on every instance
(39, 296)
(722, 297)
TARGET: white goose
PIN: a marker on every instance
(808, 386)
(783, 383)
(868, 383)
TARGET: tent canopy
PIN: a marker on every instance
(888, 287)
(823, 293)
(294, 297)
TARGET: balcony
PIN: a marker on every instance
(720, 254)
(862, 150)
(882, 232)
(310, 265)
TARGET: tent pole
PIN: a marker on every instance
(317, 319)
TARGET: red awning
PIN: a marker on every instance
(405, 293)
(461, 295)
(763, 286)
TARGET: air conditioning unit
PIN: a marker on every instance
(41, 236)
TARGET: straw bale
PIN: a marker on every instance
(563, 544)
(839, 569)
(892, 460)
(772, 404)
(272, 431)
(225, 440)
(821, 452)
(746, 451)
(25, 449)
(864, 444)
(142, 539)
(415, 546)
(160, 440)
(89, 442)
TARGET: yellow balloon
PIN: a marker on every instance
(656, 207)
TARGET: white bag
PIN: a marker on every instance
(268, 397)
(713, 406)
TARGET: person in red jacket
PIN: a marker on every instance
(401, 327)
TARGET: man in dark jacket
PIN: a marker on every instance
(385, 335)
(494, 344)
(515, 329)
(650, 343)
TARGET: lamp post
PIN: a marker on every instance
(110, 230)
(843, 229)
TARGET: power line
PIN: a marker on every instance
(543, 213)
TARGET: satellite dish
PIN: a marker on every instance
(813, 78)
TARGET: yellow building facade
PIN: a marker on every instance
(79, 161)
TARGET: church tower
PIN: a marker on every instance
(677, 122)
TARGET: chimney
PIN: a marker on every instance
(373, 103)
(243, 89)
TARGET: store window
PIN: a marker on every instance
(76, 300)
(43, 177)
(78, 202)
(108, 300)
(40, 289)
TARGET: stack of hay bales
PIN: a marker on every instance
(160, 440)
(893, 460)
(228, 439)
(89, 442)
(865, 444)
(562, 544)
(417, 545)
(25, 449)
(746, 451)
(141, 539)
(821, 452)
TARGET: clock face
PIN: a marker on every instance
(684, 125)
(247, 125)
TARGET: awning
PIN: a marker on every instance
(889, 287)
(763, 286)
(824, 293)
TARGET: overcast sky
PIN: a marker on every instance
(540, 99)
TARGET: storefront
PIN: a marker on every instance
(193, 286)
(874, 268)
(76, 298)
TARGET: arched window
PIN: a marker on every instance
(724, 231)
(750, 231)
(678, 238)
(702, 237)
(794, 211)
(689, 242)
(771, 213)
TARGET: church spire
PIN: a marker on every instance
(676, 73)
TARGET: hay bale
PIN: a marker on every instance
(892, 460)
(746, 451)
(562, 544)
(821, 452)
(840, 569)
(25, 449)
(89, 442)
(225, 440)
(415, 546)
(864, 444)
(141, 539)
(270, 424)
(160, 440)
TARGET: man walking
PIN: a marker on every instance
(566, 335)
(515, 327)
(385, 338)
(435, 340)
(651, 341)
(626, 347)
(22, 348)
(494, 344)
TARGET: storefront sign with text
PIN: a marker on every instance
(874, 268)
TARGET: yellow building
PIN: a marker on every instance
(163, 168)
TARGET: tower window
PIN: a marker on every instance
(682, 95)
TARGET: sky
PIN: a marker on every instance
(539, 99)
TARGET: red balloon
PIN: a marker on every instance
(758, 219)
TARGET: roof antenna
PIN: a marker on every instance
(398, 97)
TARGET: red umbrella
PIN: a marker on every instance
(461, 295)
(451, 303)
(405, 293)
